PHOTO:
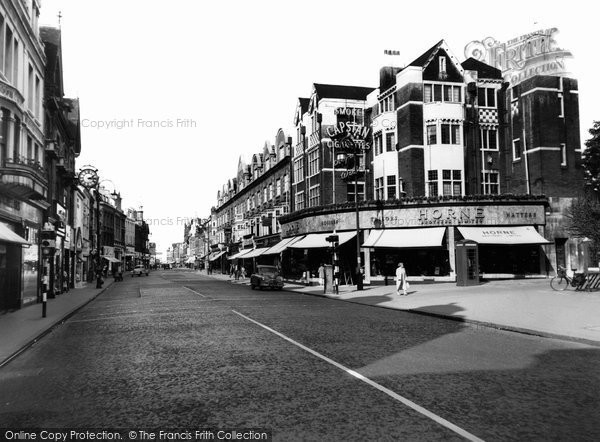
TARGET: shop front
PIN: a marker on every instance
(423, 236)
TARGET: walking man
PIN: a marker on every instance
(401, 282)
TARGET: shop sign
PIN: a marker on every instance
(108, 251)
(349, 111)
(523, 57)
(419, 217)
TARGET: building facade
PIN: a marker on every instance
(23, 173)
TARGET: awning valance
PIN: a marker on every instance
(405, 238)
(503, 235)
(7, 235)
(282, 245)
(111, 259)
(316, 240)
(256, 252)
(240, 254)
(216, 255)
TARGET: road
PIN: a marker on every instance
(177, 349)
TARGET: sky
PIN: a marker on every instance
(173, 93)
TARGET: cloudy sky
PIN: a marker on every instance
(222, 77)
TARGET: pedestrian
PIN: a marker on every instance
(243, 272)
(321, 273)
(401, 282)
(65, 281)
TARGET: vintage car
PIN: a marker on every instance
(266, 277)
(139, 270)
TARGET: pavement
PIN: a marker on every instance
(20, 329)
(527, 306)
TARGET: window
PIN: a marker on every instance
(442, 65)
(517, 149)
(432, 184)
(563, 154)
(8, 54)
(490, 182)
(300, 200)
(286, 183)
(17, 139)
(438, 92)
(451, 182)
(561, 104)
(270, 191)
(30, 87)
(486, 97)
(278, 187)
(489, 139)
(387, 104)
(37, 97)
(313, 197)
(351, 191)
(390, 141)
(431, 134)
(379, 188)
(391, 187)
(299, 170)
(313, 163)
(265, 195)
(450, 133)
(377, 140)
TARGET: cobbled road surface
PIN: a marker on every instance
(180, 350)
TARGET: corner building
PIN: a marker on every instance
(458, 153)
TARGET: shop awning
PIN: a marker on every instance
(503, 235)
(111, 259)
(256, 252)
(316, 240)
(216, 255)
(240, 254)
(282, 245)
(7, 235)
(190, 260)
(405, 238)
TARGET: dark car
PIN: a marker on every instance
(266, 276)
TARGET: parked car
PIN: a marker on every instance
(138, 270)
(266, 276)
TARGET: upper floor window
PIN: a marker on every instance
(313, 162)
(387, 104)
(278, 187)
(442, 64)
(352, 189)
(391, 186)
(378, 143)
(432, 182)
(490, 183)
(379, 188)
(517, 149)
(451, 182)
(390, 141)
(450, 133)
(486, 97)
(300, 201)
(314, 197)
(442, 92)
(431, 134)
(299, 170)
(489, 139)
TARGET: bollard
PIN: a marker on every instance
(44, 302)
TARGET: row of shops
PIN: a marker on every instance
(512, 241)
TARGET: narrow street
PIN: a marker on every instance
(177, 349)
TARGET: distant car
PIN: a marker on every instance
(138, 270)
(266, 276)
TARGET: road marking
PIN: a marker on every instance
(194, 291)
(394, 395)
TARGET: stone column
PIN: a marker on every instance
(451, 251)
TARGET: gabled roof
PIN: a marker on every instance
(303, 105)
(483, 70)
(424, 59)
(343, 92)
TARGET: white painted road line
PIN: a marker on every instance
(372, 383)
(194, 291)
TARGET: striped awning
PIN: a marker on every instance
(240, 254)
(7, 235)
(282, 245)
(317, 240)
(405, 238)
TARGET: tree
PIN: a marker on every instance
(584, 220)
(591, 158)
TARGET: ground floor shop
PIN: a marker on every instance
(510, 236)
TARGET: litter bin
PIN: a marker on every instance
(467, 263)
